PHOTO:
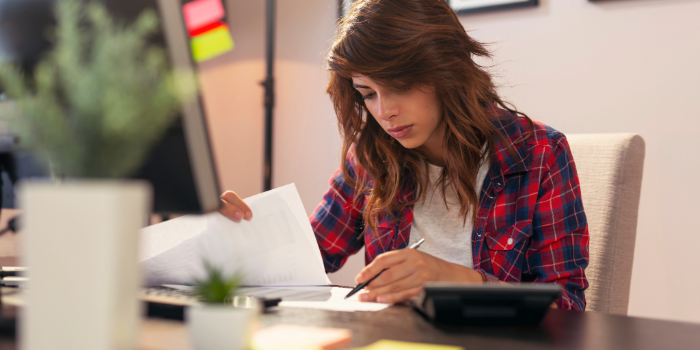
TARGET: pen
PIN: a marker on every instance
(364, 284)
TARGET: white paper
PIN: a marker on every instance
(276, 247)
(156, 239)
(336, 302)
(308, 297)
(177, 265)
(290, 293)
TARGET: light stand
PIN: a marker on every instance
(269, 85)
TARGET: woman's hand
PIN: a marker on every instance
(408, 270)
(234, 207)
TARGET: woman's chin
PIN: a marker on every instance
(409, 142)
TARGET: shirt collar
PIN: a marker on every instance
(503, 162)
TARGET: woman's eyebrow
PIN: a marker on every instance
(360, 86)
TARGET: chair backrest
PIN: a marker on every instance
(610, 172)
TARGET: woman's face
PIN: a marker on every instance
(410, 116)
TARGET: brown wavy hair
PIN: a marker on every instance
(404, 44)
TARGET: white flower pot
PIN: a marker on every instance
(220, 327)
(80, 242)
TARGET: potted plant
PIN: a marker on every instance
(94, 106)
(216, 323)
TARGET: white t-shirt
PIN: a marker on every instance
(446, 235)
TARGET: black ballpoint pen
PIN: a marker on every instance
(364, 284)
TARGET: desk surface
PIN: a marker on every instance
(560, 330)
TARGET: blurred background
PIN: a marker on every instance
(578, 66)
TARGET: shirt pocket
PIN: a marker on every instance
(510, 237)
(506, 249)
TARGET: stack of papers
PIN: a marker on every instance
(277, 247)
(276, 253)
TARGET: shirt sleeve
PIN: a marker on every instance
(337, 221)
(559, 251)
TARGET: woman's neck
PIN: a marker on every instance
(434, 146)
(436, 160)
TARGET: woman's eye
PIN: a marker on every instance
(364, 97)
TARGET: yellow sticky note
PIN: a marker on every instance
(211, 44)
(400, 345)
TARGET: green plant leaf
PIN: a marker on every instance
(216, 288)
(101, 97)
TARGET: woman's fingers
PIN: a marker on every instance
(391, 296)
(407, 271)
(399, 297)
(391, 275)
(383, 261)
(409, 282)
(234, 207)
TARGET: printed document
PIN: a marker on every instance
(307, 297)
(276, 248)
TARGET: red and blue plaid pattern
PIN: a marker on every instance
(531, 226)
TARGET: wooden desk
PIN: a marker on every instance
(560, 330)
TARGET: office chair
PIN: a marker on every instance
(610, 173)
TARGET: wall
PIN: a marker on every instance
(306, 148)
(620, 66)
(581, 67)
(307, 143)
(233, 99)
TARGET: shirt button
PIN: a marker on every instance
(510, 241)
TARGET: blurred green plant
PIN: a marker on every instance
(216, 288)
(100, 98)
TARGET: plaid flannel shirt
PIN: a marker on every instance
(530, 227)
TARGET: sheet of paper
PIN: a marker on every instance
(156, 239)
(308, 297)
(276, 247)
(289, 293)
(180, 265)
(296, 293)
(291, 196)
(346, 306)
(336, 302)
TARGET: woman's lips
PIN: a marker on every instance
(400, 131)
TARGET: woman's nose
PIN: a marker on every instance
(387, 107)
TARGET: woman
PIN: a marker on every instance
(433, 152)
